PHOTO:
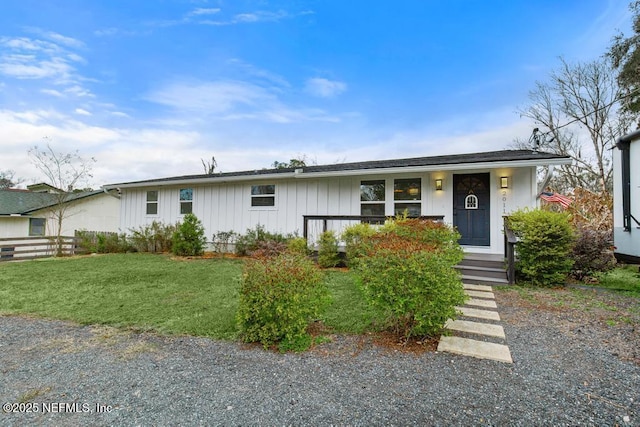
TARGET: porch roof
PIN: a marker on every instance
(16, 202)
(490, 159)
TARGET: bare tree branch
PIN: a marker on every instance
(577, 107)
(65, 172)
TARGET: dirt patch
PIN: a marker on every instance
(597, 318)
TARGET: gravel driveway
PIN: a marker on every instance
(71, 372)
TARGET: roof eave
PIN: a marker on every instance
(440, 167)
(338, 173)
(203, 180)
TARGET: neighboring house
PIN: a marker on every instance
(626, 198)
(27, 213)
(470, 191)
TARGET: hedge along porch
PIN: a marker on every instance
(470, 191)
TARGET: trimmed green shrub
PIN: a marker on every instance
(328, 250)
(408, 273)
(353, 236)
(279, 296)
(545, 246)
(103, 242)
(221, 241)
(188, 239)
(257, 239)
(592, 252)
(154, 237)
(298, 245)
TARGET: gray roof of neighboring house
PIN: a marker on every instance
(21, 202)
(500, 158)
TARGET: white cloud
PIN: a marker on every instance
(204, 11)
(26, 58)
(59, 38)
(119, 114)
(114, 32)
(234, 100)
(257, 16)
(82, 112)
(52, 92)
(210, 97)
(324, 88)
(79, 91)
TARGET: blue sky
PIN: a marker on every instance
(149, 88)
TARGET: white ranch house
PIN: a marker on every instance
(626, 198)
(470, 191)
(28, 213)
(28, 221)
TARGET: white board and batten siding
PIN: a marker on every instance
(227, 206)
(100, 212)
(627, 242)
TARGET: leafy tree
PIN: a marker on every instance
(189, 238)
(8, 179)
(577, 110)
(293, 163)
(625, 55)
(65, 171)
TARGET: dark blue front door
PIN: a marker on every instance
(471, 203)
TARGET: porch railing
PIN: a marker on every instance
(24, 248)
(351, 219)
(510, 241)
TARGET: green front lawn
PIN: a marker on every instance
(153, 292)
(623, 278)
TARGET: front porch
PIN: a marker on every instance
(476, 268)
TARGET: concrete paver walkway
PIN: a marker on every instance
(477, 315)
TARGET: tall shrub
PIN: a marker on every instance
(592, 217)
(353, 237)
(592, 252)
(189, 238)
(279, 296)
(545, 245)
(259, 239)
(154, 237)
(408, 272)
(328, 250)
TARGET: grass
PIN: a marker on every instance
(153, 292)
(624, 278)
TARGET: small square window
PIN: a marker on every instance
(152, 202)
(186, 201)
(408, 195)
(37, 226)
(372, 191)
(263, 195)
(372, 197)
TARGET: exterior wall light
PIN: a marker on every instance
(504, 182)
(438, 185)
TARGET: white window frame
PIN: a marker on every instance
(185, 201)
(408, 201)
(44, 227)
(382, 202)
(152, 202)
(267, 195)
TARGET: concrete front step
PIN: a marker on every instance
(483, 268)
(487, 281)
(485, 303)
(475, 328)
(479, 294)
(481, 271)
(479, 349)
(471, 287)
(478, 313)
